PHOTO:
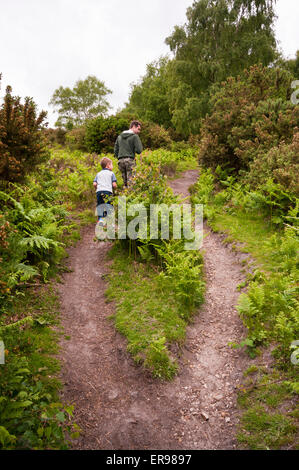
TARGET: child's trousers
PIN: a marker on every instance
(104, 203)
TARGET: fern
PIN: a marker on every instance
(24, 321)
(6, 197)
(37, 243)
(25, 271)
(244, 304)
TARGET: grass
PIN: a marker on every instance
(264, 431)
(249, 229)
(31, 413)
(269, 419)
(172, 163)
(147, 313)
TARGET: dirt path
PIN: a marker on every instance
(118, 405)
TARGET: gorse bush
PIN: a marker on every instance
(280, 163)
(154, 136)
(22, 145)
(55, 136)
(252, 127)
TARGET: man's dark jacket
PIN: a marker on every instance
(127, 144)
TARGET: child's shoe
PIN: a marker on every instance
(100, 230)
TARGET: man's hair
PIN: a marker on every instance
(105, 161)
(135, 124)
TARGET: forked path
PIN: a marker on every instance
(117, 404)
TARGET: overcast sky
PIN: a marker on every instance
(48, 43)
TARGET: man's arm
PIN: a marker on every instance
(138, 144)
(116, 148)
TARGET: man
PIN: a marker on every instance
(126, 146)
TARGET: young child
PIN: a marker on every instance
(104, 183)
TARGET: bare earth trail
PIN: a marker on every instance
(117, 404)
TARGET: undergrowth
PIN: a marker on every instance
(171, 163)
(32, 415)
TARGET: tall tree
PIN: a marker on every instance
(85, 101)
(149, 98)
(220, 39)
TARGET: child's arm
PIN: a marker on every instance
(95, 182)
(114, 181)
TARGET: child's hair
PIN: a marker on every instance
(105, 161)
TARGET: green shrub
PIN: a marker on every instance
(101, 133)
(154, 136)
(171, 162)
(184, 268)
(280, 163)
(250, 114)
(55, 136)
(22, 146)
(31, 415)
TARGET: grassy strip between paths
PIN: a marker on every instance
(148, 313)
